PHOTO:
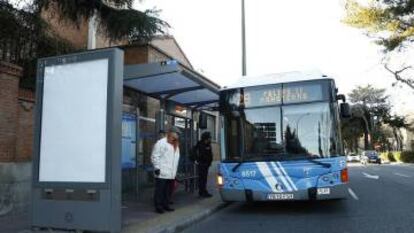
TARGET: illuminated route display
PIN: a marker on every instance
(276, 94)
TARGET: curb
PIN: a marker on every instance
(194, 219)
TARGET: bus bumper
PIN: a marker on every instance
(320, 193)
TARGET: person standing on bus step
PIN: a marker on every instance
(165, 156)
(203, 157)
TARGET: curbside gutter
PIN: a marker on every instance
(180, 219)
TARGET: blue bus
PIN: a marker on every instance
(281, 139)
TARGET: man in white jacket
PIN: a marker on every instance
(165, 157)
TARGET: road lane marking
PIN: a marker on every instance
(375, 177)
(403, 175)
(353, 195)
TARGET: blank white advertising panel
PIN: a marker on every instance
(73, 127)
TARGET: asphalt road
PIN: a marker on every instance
(381, 200)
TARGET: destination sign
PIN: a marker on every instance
(273, 95)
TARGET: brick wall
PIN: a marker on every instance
(25, 125)
(16, 116)
(168, 44)
(16, 137)
(9, 84)
(135, 55)
(156, 56)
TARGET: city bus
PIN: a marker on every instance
(281, 139)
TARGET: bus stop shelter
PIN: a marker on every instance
(170, 81)
(77, 156)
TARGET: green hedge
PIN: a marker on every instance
(398, 156)
(407, 157)
(391, 157)
(387, 156)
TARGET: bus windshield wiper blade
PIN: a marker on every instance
(327, 165)
(234, 169)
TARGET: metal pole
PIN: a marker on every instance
(92, 32)
(137, 154)
(243, 29)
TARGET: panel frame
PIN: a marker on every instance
(103, 213)
(70, 59)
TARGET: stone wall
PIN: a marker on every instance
(15, 188)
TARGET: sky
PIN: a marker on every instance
(281, 36)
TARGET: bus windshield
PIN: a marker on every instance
(285, 132)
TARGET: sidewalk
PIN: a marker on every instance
(140, 217)
(15, 224)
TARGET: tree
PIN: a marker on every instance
(371, 105)
(371, 113)
(381, 137)
(116, 18)
(293, 145)
(352, 129)
(397, 123)
(26, 36)
(390, 22)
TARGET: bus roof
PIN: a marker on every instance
(286, 77)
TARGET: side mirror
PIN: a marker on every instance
(202, 121)
(345, 110)
(341, 97)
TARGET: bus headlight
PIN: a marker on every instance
(220, 180)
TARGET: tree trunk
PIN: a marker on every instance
(366, 133)
(355, 144)
(397, 138)
(401, 140)
(366, 141)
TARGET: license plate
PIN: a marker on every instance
(324, 191)
(280, 196)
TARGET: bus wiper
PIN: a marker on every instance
(327, 165)
(234, 169)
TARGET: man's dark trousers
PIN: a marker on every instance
(202, 178)
(162, 192)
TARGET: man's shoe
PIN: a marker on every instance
(168, 209)
(159, 210)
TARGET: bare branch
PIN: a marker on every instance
(397, 76)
